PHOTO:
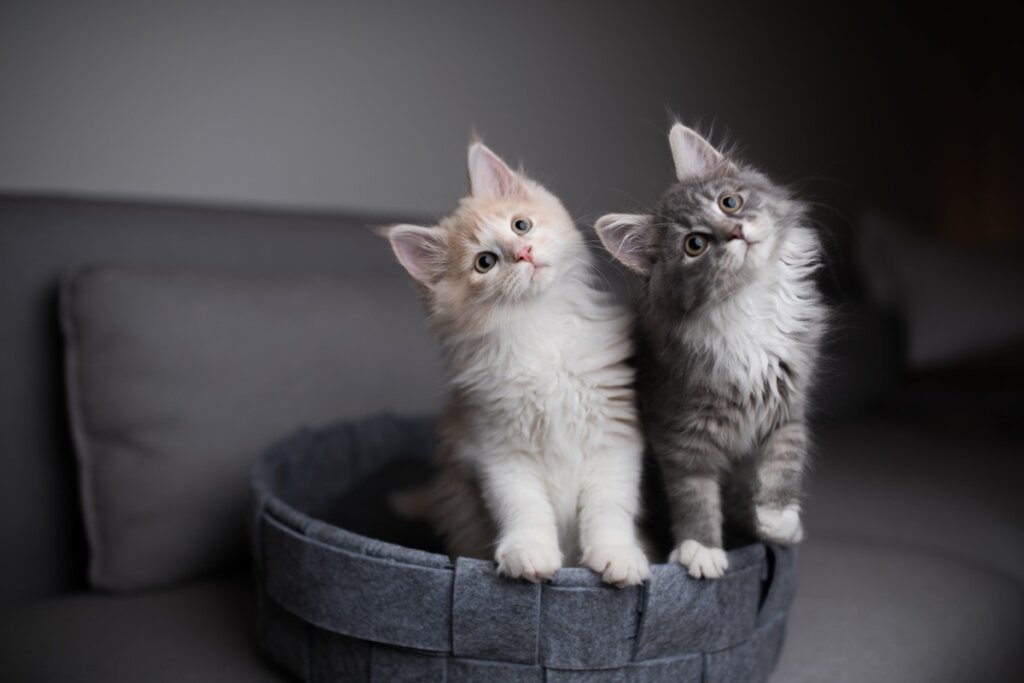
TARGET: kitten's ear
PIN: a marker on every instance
(627, 237)
(419, 250)
(489, 176)
(693, 155)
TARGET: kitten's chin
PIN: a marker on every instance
(746, 257)
(738, 256)
(541, 278)
(531, 283)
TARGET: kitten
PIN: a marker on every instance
(541, 449)
(729, 325)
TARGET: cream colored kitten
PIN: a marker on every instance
(541, 447)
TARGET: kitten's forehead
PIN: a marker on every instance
(486, 224)
(480, 222)
(684, 203)
(685, 200)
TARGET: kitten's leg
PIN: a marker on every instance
(691, 466)
(609, 504)
(516, 493)
(780, 475)
(458, 512)
(698, 513)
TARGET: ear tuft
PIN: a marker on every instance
(694, 156)
(489, 176)
(627, 238)
(419, 250)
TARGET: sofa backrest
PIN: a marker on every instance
(41, 530)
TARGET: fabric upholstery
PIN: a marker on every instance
(948, 487)
(865, 611)
(911, 571)
(913, 566)
(485, 617)
(956, 301)
(870, 610)
(386, 612)
(43, 237)
(178, 379)
(357, 595)
(200, 632)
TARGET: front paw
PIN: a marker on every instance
(699, 560)
(619, 565)
(780, 525)
(533, 562)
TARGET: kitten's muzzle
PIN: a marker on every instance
(737, 234)
(526, 254)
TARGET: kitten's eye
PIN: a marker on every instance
(695, 244)
(730, 202)
(485, 260)
(521, 225)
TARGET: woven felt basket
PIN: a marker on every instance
(337, 602)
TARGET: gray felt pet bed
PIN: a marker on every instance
(339, 603)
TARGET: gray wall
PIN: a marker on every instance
(368, 105)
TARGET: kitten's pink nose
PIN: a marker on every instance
(526, 254)
(736, 233)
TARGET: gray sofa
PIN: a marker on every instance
(913, 569)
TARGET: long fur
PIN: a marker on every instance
(728, 347)
(541, 446)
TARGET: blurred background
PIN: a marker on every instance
(367, 106)
(899, 121)
(264, 135)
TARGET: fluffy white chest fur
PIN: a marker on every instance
(768, 325)
(540, 442)
(549, 393)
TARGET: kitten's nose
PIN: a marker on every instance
(737, 232)
(525, 254)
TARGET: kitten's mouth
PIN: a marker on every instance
(742, 254)
(536, 267)
(747, 244)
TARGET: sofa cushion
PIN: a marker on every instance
(42, 237)
(913, 567)
(944, 485)
(177, 380)
(958, 301)
(197, 632)
(871, 610)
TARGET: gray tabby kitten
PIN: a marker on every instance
(729, 325)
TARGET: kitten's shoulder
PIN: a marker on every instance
(802, 247)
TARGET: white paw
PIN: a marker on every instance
(619, 565)
(699, 560)
(780, 525)
(534, 562)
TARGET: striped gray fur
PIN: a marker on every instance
(727, 343)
